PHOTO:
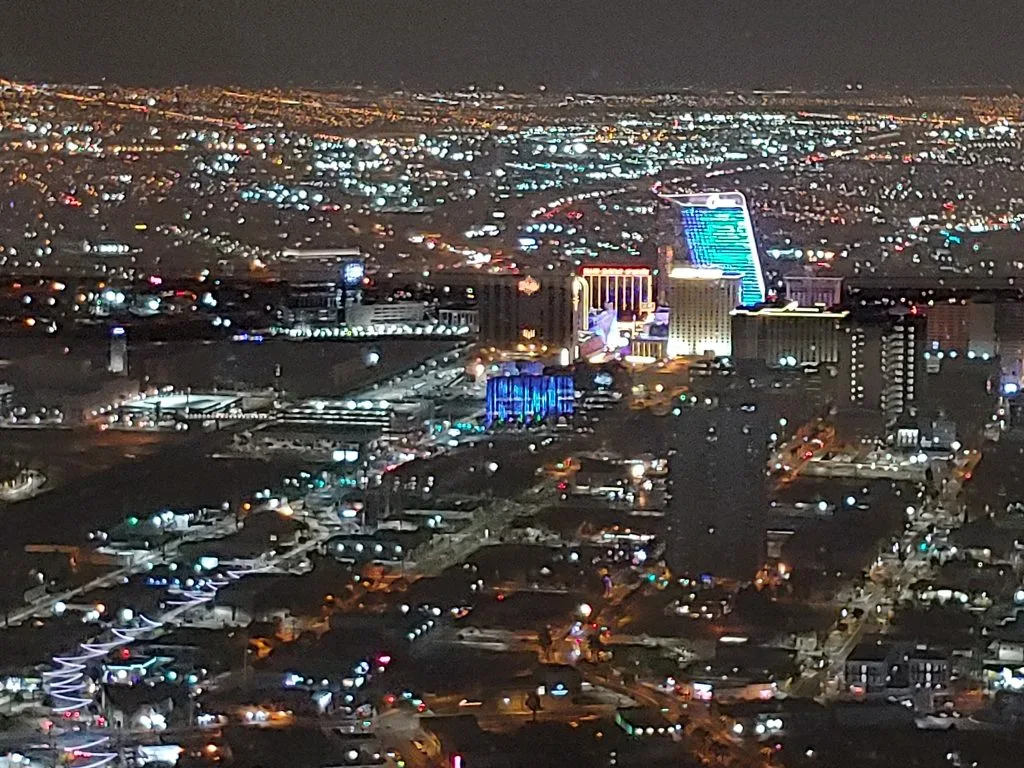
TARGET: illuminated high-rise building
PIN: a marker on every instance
(527, 398)
(118, 361)
(902, 366)
(788, 335)
(700, 302)
(884, 368)
(628, 290)
(717, 233)
(322, 284)
(539, 309)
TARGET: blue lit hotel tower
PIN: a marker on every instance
(717, 233)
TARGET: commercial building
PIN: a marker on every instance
(380, 417)
(669, 238)
(168, 408)
(322, 285)
(513, 310)
(1010, 334)
(627, 290)
(884, 369)
(700, 303)
(788, 335)
(646, 348)
(902, 367)
(526, 399)
(456, 317)
(876, 667)
(813, 291)
(384, 313)
(962, 327)
(717, 514)
(717, 233)
(118, 361)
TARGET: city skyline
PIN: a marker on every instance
(668, 415)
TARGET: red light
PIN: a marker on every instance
(384, 660)
(968, 476)
(389, 699)
(125, 653)
(457, 761)
(501, 597)
(421, 707)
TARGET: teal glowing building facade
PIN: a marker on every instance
(529, 399)
(717, 232)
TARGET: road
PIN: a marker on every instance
(901, 574)
(44, 606)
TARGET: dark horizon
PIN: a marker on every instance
(600, 45)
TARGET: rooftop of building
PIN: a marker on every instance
(790, 309)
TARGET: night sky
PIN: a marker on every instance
(601, 44)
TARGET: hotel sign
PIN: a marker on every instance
(529, 286)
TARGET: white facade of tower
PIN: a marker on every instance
(117, 362)
(700, 306)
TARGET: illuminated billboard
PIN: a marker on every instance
(352, 272)
(528, 286)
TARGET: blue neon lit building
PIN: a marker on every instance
(718, 233)
(527, 399)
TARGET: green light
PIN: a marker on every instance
(133, 521)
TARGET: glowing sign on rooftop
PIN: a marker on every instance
(529, 286)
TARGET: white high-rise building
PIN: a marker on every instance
(700, 302)
(901, 366)
(117, 362)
